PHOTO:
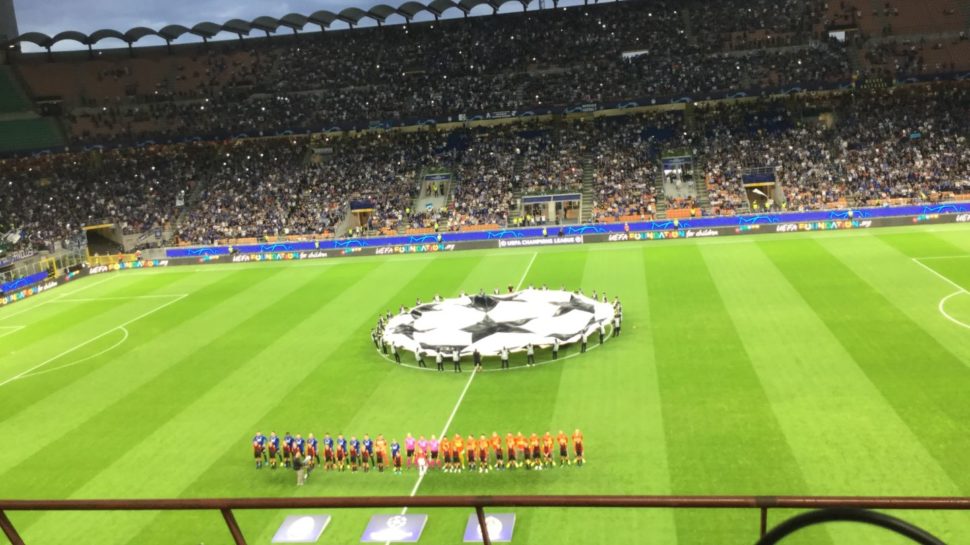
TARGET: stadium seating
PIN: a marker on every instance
(825, 150)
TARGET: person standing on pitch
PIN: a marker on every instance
(555, 348)
(584, 342)
(505, 358)
(300, 468)
(477, 359)
(456, 361)
(530, 354)
(439, 361)
(616, 325)
(419, 357)
(602, 333)
(397, 357)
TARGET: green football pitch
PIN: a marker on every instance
(810, 364)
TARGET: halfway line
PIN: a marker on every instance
(454, 410)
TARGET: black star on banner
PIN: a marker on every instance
(483, 303)
(488, 327)
(405, 329)
(574, 303)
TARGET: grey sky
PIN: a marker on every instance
(53, 16)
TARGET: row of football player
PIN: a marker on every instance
(450, 455)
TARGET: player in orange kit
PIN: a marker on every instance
(457, 451)
(578, 446)
(534, 451)
(547, 449)
(510, 450)
(563, 448)
(470, 452)
(522, 446)
(496, 442)
(446, 453)
(483, 465)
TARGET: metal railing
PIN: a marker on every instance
(226, 506)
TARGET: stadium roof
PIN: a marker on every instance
(270, 25)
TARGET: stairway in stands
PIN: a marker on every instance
(688, 27)
(589, 195)
(516, 211)
(21, 128)
(661, 197)
(703, 197)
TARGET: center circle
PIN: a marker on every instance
(499, 324)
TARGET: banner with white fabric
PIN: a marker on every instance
(489, 323)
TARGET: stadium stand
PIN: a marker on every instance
(827, 149)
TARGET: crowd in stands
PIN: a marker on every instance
(868, 147)
(650, 49)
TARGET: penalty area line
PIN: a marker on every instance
(89, 341)
(941, 306)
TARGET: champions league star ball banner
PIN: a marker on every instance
(394, 528)
(301, 529)
(489, 323)
(499, 527)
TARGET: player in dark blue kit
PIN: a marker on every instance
(299, 446)
(341, 451)
(354, 452)
(274, 449)
(312, 446)
(396, 456)
(368, 453)
(327, 452)
(259, 449)
(287, 448)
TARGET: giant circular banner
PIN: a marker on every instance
(491, 323)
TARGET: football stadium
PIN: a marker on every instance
(643, 271)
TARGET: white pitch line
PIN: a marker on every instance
(120, 298)
(942, 304)
(28, 309)
(527, 269)
(89, 341)
(943, 257)
(942, 309)
(82, 360)
(940, 276)
(10, 329)
(444, 432)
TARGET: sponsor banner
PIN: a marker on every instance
(439, 177)
(740, 222)
(499, 528)
(11, 258)
(23, 282)
(503, 114)
(28, 292)
(963, 218)
(277, 256)
(394, 528)
(301, 529)
(548, 241)
(823, 226)
(142, 264)
(98, 269)
(414, 249)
